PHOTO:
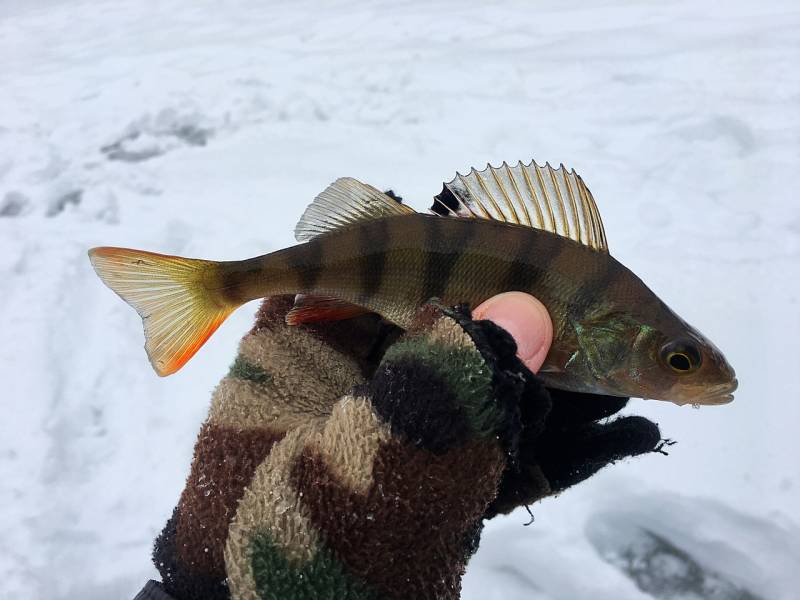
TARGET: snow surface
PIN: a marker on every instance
(204, 128)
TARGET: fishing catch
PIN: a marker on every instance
(526, 228)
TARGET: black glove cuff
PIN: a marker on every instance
(153, 590)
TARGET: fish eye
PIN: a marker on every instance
(681, 356)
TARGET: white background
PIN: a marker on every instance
(204, 128)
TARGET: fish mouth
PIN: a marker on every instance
(716, 400)
(722, 394)
(714, 395)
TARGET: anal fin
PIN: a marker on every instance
(314, 309)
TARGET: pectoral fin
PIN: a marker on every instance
(557, 359)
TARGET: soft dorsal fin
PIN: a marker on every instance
(342, 203)
(554, 200)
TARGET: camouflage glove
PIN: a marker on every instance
(339, 461)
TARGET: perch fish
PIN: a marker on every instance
(529, 228)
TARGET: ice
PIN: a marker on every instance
(204, 129)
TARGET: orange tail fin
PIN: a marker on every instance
(178, 311)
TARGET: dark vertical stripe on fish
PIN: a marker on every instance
(439, 264)
(229, 282)
(521, 275)
(241, 281)
(306, 261)
(372, 240)
(592, 289)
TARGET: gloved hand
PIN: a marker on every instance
(345, 460)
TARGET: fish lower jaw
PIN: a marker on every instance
(712, 395)
(723, 399)
(715, 400)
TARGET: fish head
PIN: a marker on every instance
(676, 362)
(663, 359)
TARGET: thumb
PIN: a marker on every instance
(526, 319)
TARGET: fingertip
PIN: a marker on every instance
(526, 319)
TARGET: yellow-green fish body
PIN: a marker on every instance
(524, 228)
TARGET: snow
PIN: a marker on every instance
(204, 128)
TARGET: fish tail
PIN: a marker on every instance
(179, 309)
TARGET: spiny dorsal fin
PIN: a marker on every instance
(342, 203)
(554, 200)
